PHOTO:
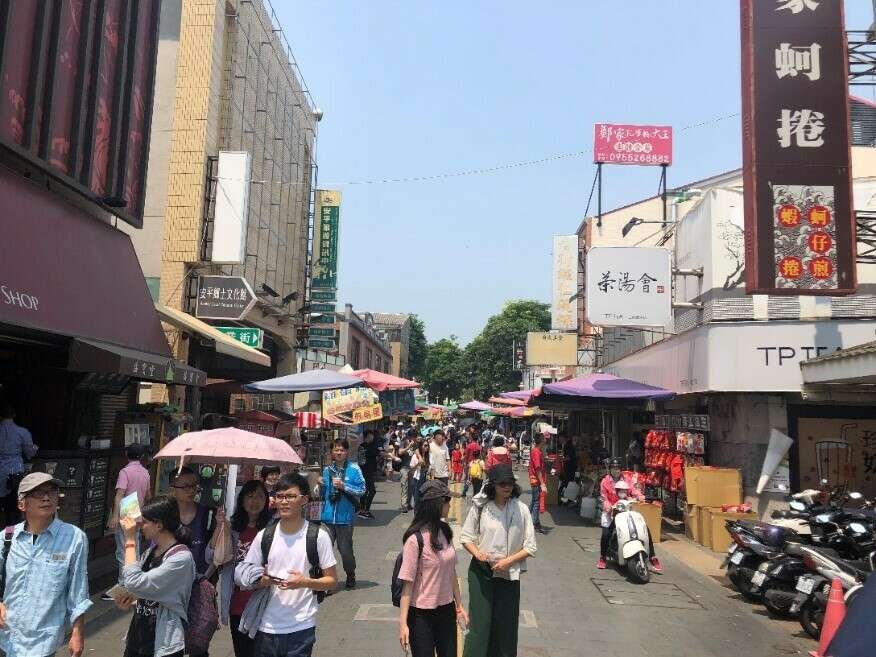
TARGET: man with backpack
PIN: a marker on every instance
(343, 484)
(290, 565)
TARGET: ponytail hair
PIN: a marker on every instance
(165, 510)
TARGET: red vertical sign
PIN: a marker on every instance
(799, 220)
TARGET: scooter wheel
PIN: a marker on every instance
(811, 618)
(779, 610)
(740, 578)
(637, 566)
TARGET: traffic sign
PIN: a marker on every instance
(322, 307)
(224, 297)
(316, 343)
(251, 337)
(321, 332)
(322, 319)
(324, 295)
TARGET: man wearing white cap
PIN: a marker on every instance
(43, 575)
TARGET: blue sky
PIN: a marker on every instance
(414, 88)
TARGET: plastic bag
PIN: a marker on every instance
(222, 549)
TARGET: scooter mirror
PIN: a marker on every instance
(855, 496)
(858, 528)
(797, 505)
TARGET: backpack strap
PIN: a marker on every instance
(267, 540)
(7, 545)
(312, 536)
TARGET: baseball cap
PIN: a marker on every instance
(501, 473)
(35, 480)
(435, 489)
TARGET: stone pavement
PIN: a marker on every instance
(569, 608)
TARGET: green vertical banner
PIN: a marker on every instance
(325, 240)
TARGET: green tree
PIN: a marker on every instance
(488, 364)
(442, 376)
(417, 349)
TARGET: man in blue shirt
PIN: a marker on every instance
(46, 585)
(343, 484)
(16, 445)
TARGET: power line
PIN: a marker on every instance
(484, 170)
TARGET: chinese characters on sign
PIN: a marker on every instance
(798, 218)
(628, 286)
(251, 337)
(223, 297)
(647, 145)
(564, 313)
(367, 414)
(325, 240)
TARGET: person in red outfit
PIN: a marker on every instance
(537, 482)
(498, 454)
(456, 462)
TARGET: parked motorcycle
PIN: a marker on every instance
(823, 565)
(630, 542)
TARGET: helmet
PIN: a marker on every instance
(621, 485)
(614, 464)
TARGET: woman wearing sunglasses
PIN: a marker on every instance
(430, 600)
(500, 536)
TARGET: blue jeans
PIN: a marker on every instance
(296, 644)
(534, 505)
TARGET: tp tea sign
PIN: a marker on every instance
(628, 286)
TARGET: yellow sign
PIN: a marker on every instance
(335, 402)
(367, 414)
(551, 349)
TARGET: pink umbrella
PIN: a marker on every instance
(228, 446)
(381, 381)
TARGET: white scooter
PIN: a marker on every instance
(631, 543)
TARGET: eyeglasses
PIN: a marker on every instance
(185, 486)
(50, 493)
(287, 498)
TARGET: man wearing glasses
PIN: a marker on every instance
(43, 575)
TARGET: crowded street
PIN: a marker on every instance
(568, 607)
(437, 329)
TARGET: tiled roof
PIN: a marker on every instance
(390, 319)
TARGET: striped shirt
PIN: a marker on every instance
(46, 588)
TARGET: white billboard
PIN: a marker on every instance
(232, 207)
(564, 313)
(628, 286)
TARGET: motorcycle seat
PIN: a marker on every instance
(793, 548)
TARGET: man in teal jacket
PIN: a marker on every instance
(343, 484)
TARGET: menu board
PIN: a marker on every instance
(94, 507)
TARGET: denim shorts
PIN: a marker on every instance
(296, 644)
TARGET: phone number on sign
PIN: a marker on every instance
(638, 158)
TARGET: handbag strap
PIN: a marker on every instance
(7, 545)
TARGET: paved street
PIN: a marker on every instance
(569, 608)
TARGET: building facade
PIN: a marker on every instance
(396, 327)
(227, 82)
(736, 358)
(361, 343)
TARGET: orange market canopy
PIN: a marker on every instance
(380, 381)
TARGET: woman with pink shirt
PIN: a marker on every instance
(430, 600)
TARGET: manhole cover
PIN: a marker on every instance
(587, 544)
(653, 594)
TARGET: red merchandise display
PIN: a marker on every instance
(667, 453)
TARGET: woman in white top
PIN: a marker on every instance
(500, 537)
(419, 470)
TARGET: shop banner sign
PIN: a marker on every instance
(322, 307)
(322, 319)
(251, 337)
(643, 145)
(325, 240)
(324, 295)
(398, 402)
(335, 402)
(367, 414)
(628, 286)
(224, 297)
(799, 223)
(319, 332)
(564, 313)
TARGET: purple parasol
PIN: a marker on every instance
(604, 386)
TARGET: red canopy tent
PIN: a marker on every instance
(507, 401)
(380, 381)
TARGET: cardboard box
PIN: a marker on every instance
(712, 487)
(653, 514)
(696, 524)
(719, 534)
(705, 522)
